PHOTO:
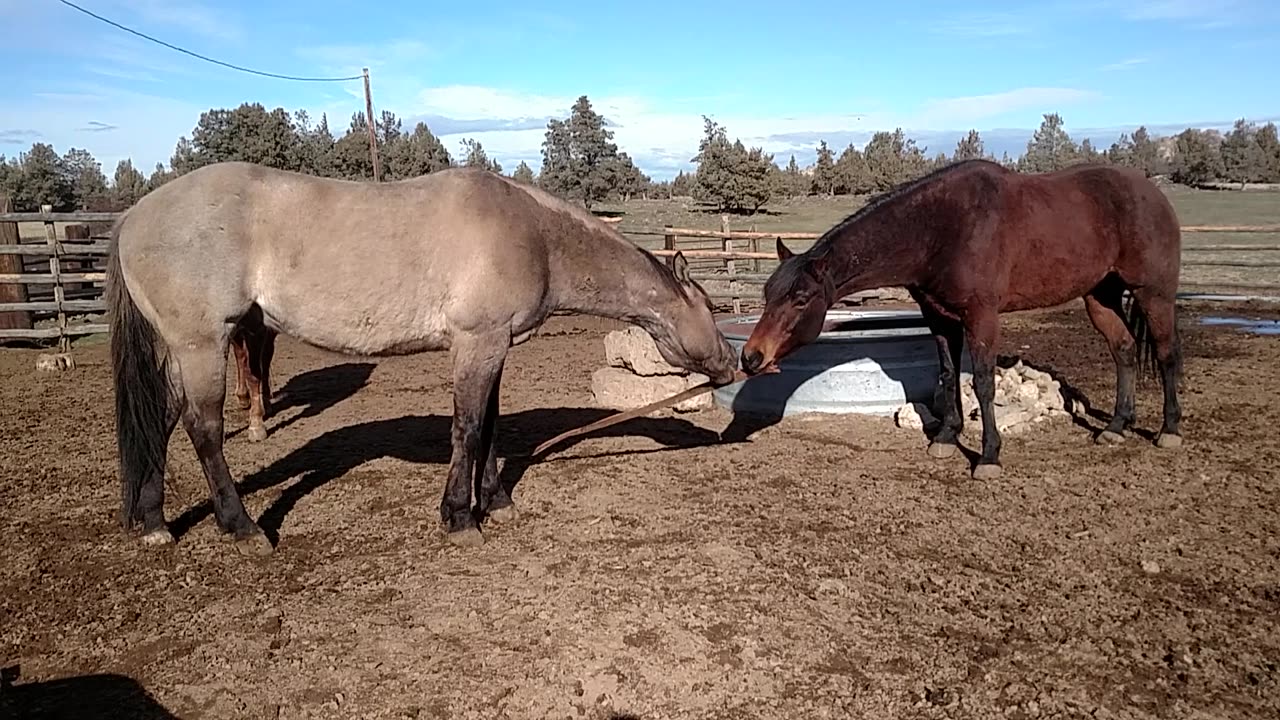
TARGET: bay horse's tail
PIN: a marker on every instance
(1140, 327)
(141, 379)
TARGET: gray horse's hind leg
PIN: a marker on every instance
(203, 369)
(495, 504)
(477, 367)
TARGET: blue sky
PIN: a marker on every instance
(778, 75)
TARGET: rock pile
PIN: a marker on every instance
(1023, 396)
(638, 375)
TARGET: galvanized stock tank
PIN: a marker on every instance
(865, 361)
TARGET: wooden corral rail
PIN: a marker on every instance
(733, 271)
(20, 316)
(671, 242)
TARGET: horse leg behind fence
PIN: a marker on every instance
(253, 345)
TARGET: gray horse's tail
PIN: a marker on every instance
(142, 389)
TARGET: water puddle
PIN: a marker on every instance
(1258, 327)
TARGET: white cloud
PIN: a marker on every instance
(1127, 64)
(217, 23)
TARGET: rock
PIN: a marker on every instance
(913, 416)
(620, 389)
(636, 351)
(1007, 417)
(1028, 391)
(54, 362)
(1150, 567)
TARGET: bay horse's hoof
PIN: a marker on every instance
(941, 451)
(1107, 437)
(256, 433)
(989, 471)
(503, 515)
(159, 536)
(255, 543)
(466, 538)
(1169, 441)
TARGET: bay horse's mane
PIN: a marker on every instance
(788, 273)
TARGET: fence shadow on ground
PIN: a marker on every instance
(86, 697)
(425, 440)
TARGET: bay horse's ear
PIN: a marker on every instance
(783, 251)
(680, 267)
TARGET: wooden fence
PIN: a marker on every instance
(54, 289)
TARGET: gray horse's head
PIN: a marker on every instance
(686, 332)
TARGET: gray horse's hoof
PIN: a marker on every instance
(255, 544)
(989, 471)
(1107, 437)
(257, 433)
(505, 514)
(244, 402)
(466, 538)
(159, 536)
(941, 451)
(1168, 441)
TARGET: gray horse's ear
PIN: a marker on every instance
(680, 267)
(783, 251)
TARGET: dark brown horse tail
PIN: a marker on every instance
(141, 386)
(1139, 326)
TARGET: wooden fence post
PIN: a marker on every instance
(17, 292)
(668, 240)
(730, 266)
(55, 269)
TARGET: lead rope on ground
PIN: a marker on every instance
(616, 418)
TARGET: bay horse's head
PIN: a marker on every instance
(686, 334)
(796, 298)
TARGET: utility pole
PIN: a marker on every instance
(373, 132)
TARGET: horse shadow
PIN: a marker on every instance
(86, 697)
(315, 391)
(426, 440)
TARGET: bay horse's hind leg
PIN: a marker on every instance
(254, 345)
(1157, 311)
(240, 350)
(1106, 311)
(477, 367)
(203, 371)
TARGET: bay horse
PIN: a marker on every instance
(972, 240)
(253, 345)
(462, 260)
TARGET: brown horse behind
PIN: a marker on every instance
(973, 240)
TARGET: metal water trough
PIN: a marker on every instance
(865, 361)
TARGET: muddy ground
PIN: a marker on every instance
(823, 568)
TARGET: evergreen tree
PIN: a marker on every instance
(1243, 160)
(1051, 148)
(1196, 159)
(970, 147)
(523, 173)
(128, 185)
(824, 171)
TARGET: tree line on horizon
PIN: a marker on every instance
(582, 163)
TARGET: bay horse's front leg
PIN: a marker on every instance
(982, 326)
(477, 367)
(949, 335)
(240, 351)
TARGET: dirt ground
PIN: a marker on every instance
(822, 568)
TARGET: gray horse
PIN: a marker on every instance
(461, 260)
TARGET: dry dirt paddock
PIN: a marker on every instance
(822, 568)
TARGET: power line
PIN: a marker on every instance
(208, 59)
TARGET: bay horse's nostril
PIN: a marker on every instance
(751, 360)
